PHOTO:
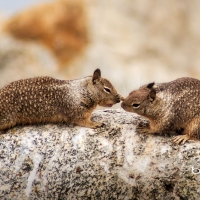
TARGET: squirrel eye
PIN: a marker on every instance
(107, 89)
(136, 105)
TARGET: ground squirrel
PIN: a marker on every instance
(49, 100)
(168, 106)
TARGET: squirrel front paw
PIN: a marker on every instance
(143, 128)
(181, 139)
(99, 125)
(90, 124)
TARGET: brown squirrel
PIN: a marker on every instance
(168, 106)
(49, 100)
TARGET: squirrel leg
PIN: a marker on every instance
(146, 128)
(5, 126)
(191, 132)
(89, 124)
(86, 122)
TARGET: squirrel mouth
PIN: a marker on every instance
(109, 105)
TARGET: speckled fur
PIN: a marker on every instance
(49, 100)
(168, 106)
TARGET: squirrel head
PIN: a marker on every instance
(141, 100)
(104, 91)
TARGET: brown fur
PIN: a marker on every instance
(49, 100)
(168, 106)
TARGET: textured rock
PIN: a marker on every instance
(114, 162)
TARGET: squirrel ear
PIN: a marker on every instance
(96, 76)
(152, 95)
(150, 85)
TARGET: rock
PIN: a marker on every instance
(60, 25)
(20, 60)
(25, 49)
(113, 162)
(132, 43)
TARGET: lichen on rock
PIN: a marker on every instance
(55, 161)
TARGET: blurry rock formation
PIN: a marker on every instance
(24, 60)
(132, 42)
(60, 25)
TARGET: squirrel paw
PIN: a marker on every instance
(99, 125)
(180, 139)
(143, 128)
(90, 124)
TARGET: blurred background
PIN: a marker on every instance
(132, 42)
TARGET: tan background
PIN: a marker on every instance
(133, 42)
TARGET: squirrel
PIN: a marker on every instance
(170, 106)
(49, 100)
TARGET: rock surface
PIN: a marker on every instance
(113, 162)
(20, 60)
(60, 25)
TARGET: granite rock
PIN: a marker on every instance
(55, 161)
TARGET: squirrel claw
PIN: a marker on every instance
(180, 139)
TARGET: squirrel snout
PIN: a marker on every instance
(118, 96)
(122, 98)
(118, 100)
(122, 105)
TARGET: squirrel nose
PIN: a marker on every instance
(118, 98)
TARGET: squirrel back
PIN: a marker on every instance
(47, 100)
(168, 106)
